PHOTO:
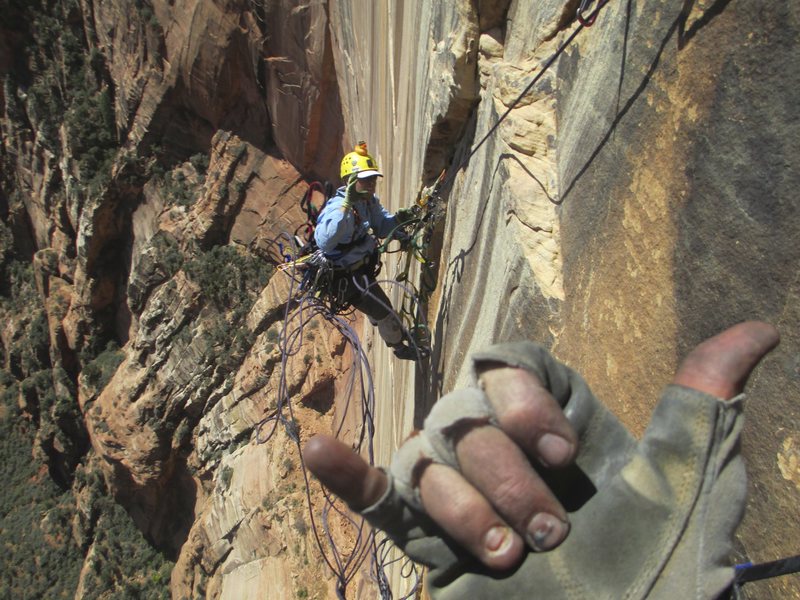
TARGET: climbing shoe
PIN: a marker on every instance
(406, 352)
(410, 352)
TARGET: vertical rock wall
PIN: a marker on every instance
(636, 201)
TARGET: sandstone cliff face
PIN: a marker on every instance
(163, 248)
(638, 199)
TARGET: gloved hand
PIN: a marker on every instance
(350, 193)
(649, 519)
(402, 236)
(319, 260)
(406, 215)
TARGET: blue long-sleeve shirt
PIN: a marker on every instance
(344, 236)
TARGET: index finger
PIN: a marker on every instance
(344, 472)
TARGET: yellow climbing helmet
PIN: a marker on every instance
(359, 161)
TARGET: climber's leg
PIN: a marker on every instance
(374, 303)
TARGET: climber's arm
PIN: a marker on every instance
(334, 225)
(383, 222)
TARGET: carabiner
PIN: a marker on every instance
(588, 20)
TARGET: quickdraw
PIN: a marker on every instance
(415, 238)
(303, 261)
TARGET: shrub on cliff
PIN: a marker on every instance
(41, 559)
(98, 371)
(228, 278)
(123, 564)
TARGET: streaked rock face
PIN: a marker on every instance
(632, 204)
(640, 197)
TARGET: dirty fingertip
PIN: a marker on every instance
(344, 472)
(546, 531)
(554, 450)
(502, 548)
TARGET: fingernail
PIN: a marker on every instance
(546, 531)
(553, 450)
(498, 539)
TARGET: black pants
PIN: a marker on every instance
(359, 289)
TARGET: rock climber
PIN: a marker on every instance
(490, 494)
(346, 232)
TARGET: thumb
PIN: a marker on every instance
(721, 365)
(344, 472)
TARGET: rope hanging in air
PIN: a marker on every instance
(304, 303)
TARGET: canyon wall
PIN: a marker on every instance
(636, 199)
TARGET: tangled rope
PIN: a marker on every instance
(303, 305)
